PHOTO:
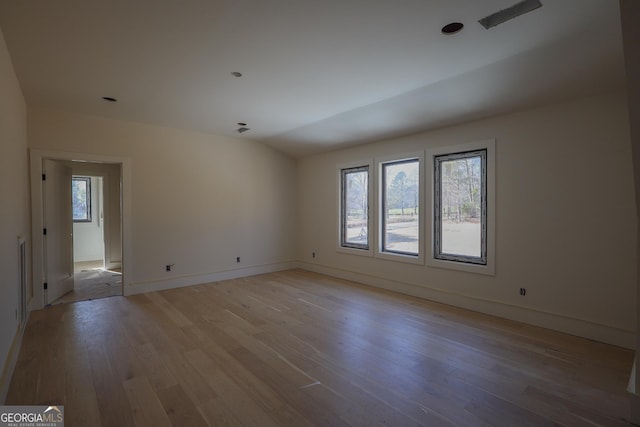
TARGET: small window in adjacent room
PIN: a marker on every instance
(401, 200)
(81, 198)
(354, 208)
(460, 207)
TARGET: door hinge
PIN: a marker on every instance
(46, 286)
(44, 231)
(44, 177)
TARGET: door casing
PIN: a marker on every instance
(36, 158)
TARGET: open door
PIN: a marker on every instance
(58, 223)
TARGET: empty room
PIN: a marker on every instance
(319, 213)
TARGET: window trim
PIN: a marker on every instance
(457, 262)
(353, 249)
(87, 180)
(380, 224)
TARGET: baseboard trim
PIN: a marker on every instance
(557, 322)
(10, 362)
(112, 265)
(198, 279)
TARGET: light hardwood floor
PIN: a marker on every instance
(93, 284)
(87, 265)
(299, 349)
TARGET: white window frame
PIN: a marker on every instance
(431, 260)
(368, 163)
(396, 256)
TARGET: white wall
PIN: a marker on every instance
(88, 243)
(14, 193)
(565, 220)
(630, 20)
(198, 201)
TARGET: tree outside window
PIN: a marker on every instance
(460, 207)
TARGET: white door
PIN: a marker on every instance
(58, 223)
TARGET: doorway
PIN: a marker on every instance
(93, 277)
(54, 260)
(82, 217)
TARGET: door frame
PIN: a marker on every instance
(36, 158)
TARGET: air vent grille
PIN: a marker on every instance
(509, 13)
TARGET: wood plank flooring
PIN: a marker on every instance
(301, 349)
(93, 284)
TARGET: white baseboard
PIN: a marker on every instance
(113, 265)
(198, 279)
(558, 322)
(10, 363)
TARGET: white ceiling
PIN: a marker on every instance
(317, 74)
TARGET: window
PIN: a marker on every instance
(81, 199)
(460, 207)
(401, 201)
(354, 208)
(461, 190)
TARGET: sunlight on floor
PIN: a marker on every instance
(92, 281)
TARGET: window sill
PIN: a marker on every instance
(488, 269)
(392, 256)
(354, 251)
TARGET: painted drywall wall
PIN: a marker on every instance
(198, 201)
(566, 221)
(88, 243)
(630, 23)
(14, 193)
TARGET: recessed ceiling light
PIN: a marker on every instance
(452, 28)
(236, 74)
(109, 99)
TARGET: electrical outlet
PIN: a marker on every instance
(238, 259)
(523, 291)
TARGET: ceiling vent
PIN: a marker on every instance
(509, 13)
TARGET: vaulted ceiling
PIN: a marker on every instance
(316, 74)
